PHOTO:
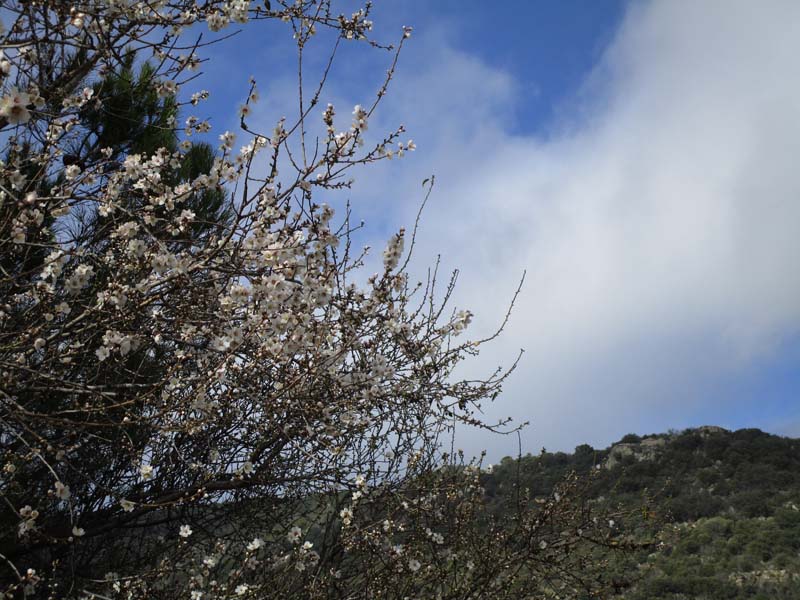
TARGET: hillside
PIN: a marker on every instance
(729, 502)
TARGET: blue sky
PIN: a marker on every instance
(548, 47)
(637, 159)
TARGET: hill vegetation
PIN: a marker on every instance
(728, 504)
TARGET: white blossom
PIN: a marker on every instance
(294, 535)
(255, 544)
(62, 491)
(14, 107)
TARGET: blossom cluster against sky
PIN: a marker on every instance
(638, 159)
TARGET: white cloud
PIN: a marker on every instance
(659, 226)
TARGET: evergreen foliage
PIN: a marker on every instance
(730, 504)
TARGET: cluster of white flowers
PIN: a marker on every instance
(217, 21)
(30, 217)
(393, 251)
(79, 279)
(357, 26)
(78, 100)
(461, 321)
(113, 340)
(167, 88)
(187, 361)
(62, 491)
(346, 515)
(28, 523)
(359, 118)
(436, 538)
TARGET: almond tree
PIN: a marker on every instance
(197, 400)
